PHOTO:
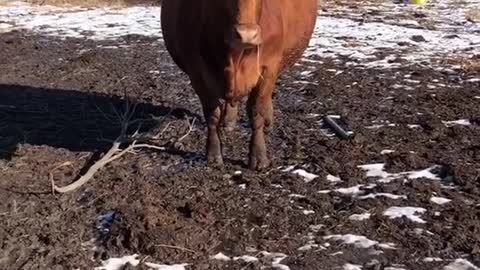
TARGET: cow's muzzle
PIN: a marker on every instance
(247, 35)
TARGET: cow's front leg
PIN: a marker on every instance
(212, 110)
(260, 110)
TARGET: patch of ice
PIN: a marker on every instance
(461, 122)
(360, 217)
(325, 191)
(394, 268)
(349, 266)
(333, 179)
(386, 151)
(432, 259)
(220, 257)
(119, 263)
(307, 177)
(439, 200)
(165, 266)
(409, 212)
(461, 264)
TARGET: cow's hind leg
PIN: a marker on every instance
(260, 110)
(230, 115)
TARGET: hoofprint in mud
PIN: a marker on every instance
(360, 213)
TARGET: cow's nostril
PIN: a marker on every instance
(248, 34)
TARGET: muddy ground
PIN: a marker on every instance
(59, 100)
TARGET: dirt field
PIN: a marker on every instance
(415, 205)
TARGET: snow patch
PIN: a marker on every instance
(349, 266)
(220, 257)
(377, 170)
(439, 200)
(461, 264)
(119, 263)
(386, 195)
(97, 24)
(359, 241)
(355, 190)
(307, 177)
(461, 122)
(333, 179)
(432, 259)
(409, 212)
(360, 217)
(165, 266)
(246, 258)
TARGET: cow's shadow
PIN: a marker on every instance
(74, 120)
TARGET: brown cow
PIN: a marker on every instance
(234, 48)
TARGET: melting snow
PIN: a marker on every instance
(119, 263)
(409, 212)
(440, 200)
(461, 264)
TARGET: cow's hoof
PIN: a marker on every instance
(215, 160)
(259, 163)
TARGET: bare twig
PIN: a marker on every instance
(190, 128)
(115, 151)
(50, 174)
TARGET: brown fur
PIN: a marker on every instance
(199, 34)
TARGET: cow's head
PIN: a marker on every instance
(246, 32)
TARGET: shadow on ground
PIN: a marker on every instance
(68, 119)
